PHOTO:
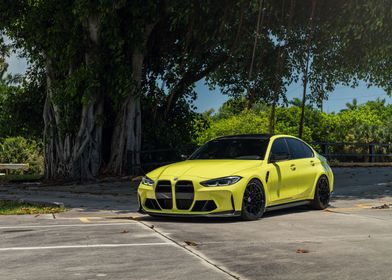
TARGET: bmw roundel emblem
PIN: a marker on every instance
(175, 178)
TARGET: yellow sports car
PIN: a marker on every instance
(240, 175)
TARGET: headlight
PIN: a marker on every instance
(220, 182)
(147, 181)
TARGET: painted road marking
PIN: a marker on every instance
(72, 225)
(364, 205)
(85, 246)
(84, 220)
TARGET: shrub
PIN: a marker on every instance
(22, 150)
(245, 122)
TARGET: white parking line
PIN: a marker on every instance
(71, 225)
(85, 246)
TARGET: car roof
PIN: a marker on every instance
(247, 136)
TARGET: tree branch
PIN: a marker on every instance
(189, 78)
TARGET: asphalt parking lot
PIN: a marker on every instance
(350, 240)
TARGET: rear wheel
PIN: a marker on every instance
(322, 194)
(253, 202)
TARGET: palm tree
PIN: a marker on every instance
(352, 106)
(296, 102)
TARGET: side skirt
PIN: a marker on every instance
(288, 205)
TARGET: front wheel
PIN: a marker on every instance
(253, 202)
(322, 194)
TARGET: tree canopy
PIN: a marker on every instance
(114, 77)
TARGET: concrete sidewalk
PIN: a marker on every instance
(118, 197)
(101, 237)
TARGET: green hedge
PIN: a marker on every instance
(369, 122)
(22, 150)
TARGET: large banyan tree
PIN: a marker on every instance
(108, 66)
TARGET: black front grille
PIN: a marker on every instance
(184, 194)
(163, 193)
(204, 206)
(152, 204)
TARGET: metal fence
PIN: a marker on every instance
(355, 151)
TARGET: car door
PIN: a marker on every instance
(305, 166)
(279, 174)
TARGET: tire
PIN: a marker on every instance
(322, 194)
(253, 202)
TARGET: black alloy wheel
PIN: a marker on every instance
(322, 194)
(253, 202)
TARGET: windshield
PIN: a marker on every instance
(232, 149)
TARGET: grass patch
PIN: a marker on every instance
(20, 178)
(8, 207)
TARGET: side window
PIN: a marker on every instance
(279, 147)
(308, 151)
(298, 149)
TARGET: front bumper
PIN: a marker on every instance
(203, 201)
(212, 214)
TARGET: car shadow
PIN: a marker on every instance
(222, 220)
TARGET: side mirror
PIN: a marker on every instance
(279, 157)
(184, 157)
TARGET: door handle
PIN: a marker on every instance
(293, 167)
(312, 163)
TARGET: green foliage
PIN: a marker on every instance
(20, 208)
(20, 178)
(244, 122)
(83, 52)
(231, 108)
(369, 122)
(21, 106)
(177, 131)
(21, 150)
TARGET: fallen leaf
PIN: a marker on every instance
(302, 251)
(135, 217)
(125, 231)
(384, 206)
(151, 227)
(191, 243)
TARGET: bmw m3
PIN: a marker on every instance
(240, 175)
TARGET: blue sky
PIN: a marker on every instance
(336, 101)
(208, 99)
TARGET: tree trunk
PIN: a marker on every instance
(306, 71)
(74, 156)
(279, 63)
(127, 135)
(259, 25)
(305, 84)
(126, 140)
(70, 156)
(272, 116)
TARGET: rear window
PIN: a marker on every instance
(298, 149)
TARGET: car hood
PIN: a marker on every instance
(206, 169)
